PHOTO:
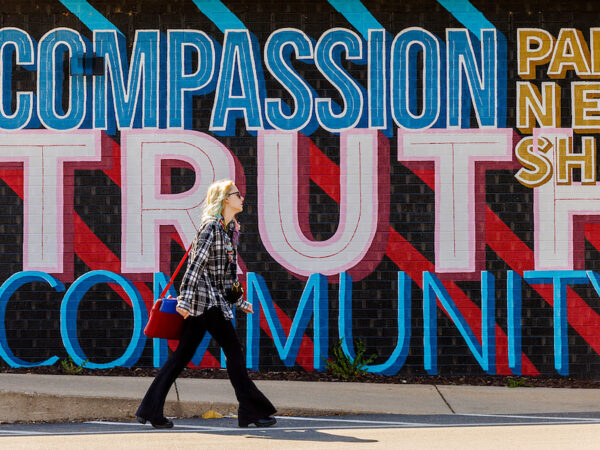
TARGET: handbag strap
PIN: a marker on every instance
(166, 289)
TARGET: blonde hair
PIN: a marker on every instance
(215, 197)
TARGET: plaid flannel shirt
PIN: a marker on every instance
(208, 275)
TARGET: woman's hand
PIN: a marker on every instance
(246, 307)
(184, 312)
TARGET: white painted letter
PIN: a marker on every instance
(283, 214)
(555, 206)
(455, 154)
(145, 208)
(43, 154)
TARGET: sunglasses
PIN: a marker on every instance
(235, 193)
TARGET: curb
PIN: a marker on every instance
(26, 407)
(34, 407)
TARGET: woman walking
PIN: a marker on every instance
(211, 272)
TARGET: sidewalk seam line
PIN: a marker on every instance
(444, 398)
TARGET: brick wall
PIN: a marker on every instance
(411, 228)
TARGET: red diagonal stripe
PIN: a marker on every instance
(414, 263)
(305, 352)
(92, 251)
(519, 257)
(14, 179)
(95, 254)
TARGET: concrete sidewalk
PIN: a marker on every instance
(31, 397)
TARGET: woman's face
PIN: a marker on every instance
(234, 199)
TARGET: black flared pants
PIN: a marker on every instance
(253, 405)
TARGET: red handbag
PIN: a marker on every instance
(163, 324)
(164, 321)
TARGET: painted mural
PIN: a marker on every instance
(421, 176)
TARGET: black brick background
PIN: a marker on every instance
(105, 321)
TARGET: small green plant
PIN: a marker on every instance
(514, 383)
(349, 368)
(70, 367)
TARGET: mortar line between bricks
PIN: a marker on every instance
(444, 398)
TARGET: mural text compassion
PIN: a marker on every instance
(415, 80)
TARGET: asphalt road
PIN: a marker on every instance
(581, 430)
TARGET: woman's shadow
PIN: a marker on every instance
(307, 435)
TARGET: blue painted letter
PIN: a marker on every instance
(313, 302)
(560, 279)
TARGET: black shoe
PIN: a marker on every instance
(160, 423)
(262, 423)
